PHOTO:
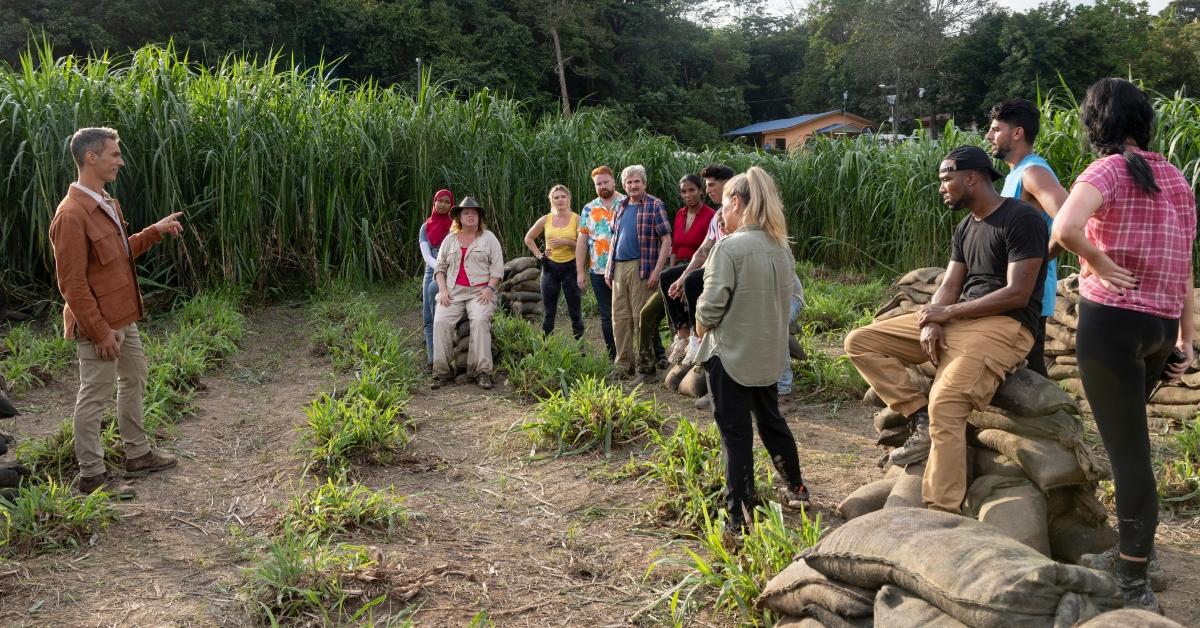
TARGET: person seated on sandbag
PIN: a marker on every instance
(472, 255)
(978, 327)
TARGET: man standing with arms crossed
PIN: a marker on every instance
(94, 259)
(1014, 127)
(641, 243)
(593, 248)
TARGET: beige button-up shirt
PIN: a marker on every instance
(485, 260)
(746, 304)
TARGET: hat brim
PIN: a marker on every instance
(458, 209)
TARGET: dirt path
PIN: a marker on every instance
(535, 543)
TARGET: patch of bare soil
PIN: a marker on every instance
(534, 542)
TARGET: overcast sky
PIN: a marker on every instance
(784, 6)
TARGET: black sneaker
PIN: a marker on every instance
(1107, 562)
(916, 448)
(484, 381)
(1135, 586)
(439, 382)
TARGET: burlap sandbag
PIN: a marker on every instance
(1128, 618)
(693, 383)
(1062, 371)
(919, 297)
(1059, 332)
(866, 499)
(514, 266)
(819, 616)
(1072, 385)
(1176, 413)
(532, 286)
(1012, 505)
(1067, 359)
(872, 398)
(988, 462)
(969, 570)
(896, 607)
(460, 362)
(1176, 396)
(1026, 393)
(1054, 347)
(1079, 500)
(798, 622)
(887, 417)
(675, 375)
(795, 351)
(799, 585)
(1048, 463)
(893, 436)
(927, 288)
(1067, 318)
(1059, 426)
(525, 275)
(906, 492)
(1071, 536)
(920, 275)
(524, 297)
(528, 308)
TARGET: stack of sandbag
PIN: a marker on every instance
(913, 290)
(1176, 402)
(462, 342)
(918, 567)
(1031, 474)
(687, 380)
(520, 291)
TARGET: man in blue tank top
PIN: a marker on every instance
(1014, 127)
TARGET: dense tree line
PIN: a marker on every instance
(689, 68)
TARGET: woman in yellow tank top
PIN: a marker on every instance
(560, 229)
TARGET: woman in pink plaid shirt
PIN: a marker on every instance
(1131, 218)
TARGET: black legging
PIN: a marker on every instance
(1121, 355)
(677, 310)
(560, 277)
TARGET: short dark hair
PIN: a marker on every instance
(1019, 112)
(90, 140)
(693, 179)
(719, 172)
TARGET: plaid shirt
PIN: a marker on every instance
(652, 226)
(1149, 234)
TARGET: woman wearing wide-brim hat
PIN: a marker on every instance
(470, 265)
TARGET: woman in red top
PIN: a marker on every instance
(691, 227)
(1131, 218)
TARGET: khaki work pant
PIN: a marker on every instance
(629, 295)
(980, 353)
(96, 379)
(445, 320)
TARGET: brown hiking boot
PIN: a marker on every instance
(149, 463)
(484, 381)
(107, 483)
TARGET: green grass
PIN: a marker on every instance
(339, 432)
(838, 300)
(822, 376)
(204, 331)
(539, 366)
(29, 358)
(592, 414)
(729, 579)
(337, 507)
(1179, 478)
(688, 474)
(300, 577)
(48, 517)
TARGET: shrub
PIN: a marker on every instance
(338, 507)
(341, 431)
(591, 414)
(51, 517)
(825, 377)
(552, 365)
(28, 359)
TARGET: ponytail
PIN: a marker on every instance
(761, 201)
(1140, 171)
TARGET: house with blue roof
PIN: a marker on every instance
(792, 133)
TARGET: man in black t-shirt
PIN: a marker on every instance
(977, 328)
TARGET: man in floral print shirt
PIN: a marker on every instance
(593, 248)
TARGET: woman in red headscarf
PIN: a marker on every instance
(432, 233)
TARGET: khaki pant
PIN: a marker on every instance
(980, 353)
(445, 320)
(96, 379)
(629, 295)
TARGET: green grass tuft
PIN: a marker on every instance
(592, 414)
(48, 517)
(337, 507)
(29, 359)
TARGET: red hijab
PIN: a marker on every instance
(438, 225)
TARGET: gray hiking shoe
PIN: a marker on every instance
(705, 403)
(1135, 586)
(916, 448)
(1107, 562)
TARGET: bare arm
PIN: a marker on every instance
(533, 234)
(1084, 201)
(1022, 277)
(1049, 194)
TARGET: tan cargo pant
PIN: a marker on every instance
(629, 295)
(445, 319)
(980, 353)
(96, 379)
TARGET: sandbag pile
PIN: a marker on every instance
(918, 567)
(913, 290)
(1176, 402)
(1031, 474)
(520, 291)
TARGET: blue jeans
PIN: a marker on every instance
(604, 300)
(784, 385)
(429, 292)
